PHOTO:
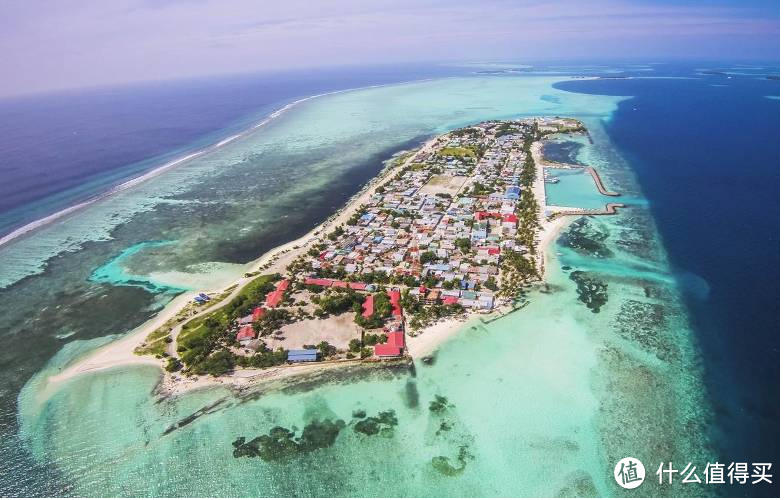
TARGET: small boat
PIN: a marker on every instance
(204, 297)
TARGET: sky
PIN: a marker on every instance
(49, 45)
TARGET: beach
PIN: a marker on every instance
(566, 381)
(121, 352)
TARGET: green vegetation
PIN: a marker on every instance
(506, 128)
(427, 257)
(464, 244)
(457, 152)
(420, 315)
(173, 365)
(382, 308)
(272, 321)
(202, 337)
(263, 358)
(337, 301)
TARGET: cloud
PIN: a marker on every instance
(74, 43)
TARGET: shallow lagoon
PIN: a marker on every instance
(554, 391)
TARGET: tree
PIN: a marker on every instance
(427, 257)
(217, 363)
(326, 349)
(464, 244)
(174, 365)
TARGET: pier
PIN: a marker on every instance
(599, 184)
(609, 209)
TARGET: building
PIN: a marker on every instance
(394, 299)
(303, 355)
(274, 297)
(245, 335)
(367, 307)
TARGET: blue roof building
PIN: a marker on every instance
(300, 355)
(512, 193)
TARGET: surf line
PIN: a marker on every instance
(49, 219)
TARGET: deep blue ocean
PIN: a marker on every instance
(84, 142)
(706, 157)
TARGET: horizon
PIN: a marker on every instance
(48, 47)
(567, 67)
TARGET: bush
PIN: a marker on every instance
(217, 363)
(174, 365)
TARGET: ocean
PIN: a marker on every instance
(676, 366)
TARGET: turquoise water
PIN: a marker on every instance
(575, 188)
(115, 273)
(542, 402)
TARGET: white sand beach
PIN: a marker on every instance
(121, 352)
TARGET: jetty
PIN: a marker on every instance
(609, 209)
(599, 184)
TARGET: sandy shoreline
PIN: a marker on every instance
(121, 352)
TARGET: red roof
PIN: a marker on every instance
(258, 313)
(368, 307)
(357, 286)
(422, 289)
(318, 281)
(510, 218)
(246, 333)
(394, 299)
(397, 339)
(386, 350)
(450, 300)
(274, 298)
(484, 215)
(341, 284)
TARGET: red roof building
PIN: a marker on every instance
(367, 307)
(274, 298)
(450, 300)
(386, 350)
(394, 299)
(397, 339)
(318, 281)
(357, 286)
(246, 333)
(509, 218)
(485, 215)
(340, 284)
(258, 313)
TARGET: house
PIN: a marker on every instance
(512, 193)
(257, 313)
(386, 351)
(367, 307)
(396, 338)
(394, 299)
(393, 347)
(318, 282)
(245, 335)
(274, 297)
(303, 355)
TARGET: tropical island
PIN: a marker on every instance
(455, 228)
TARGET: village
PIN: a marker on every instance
(453, 231)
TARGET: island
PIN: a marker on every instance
(454, 229)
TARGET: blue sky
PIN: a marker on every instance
(47, 45)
